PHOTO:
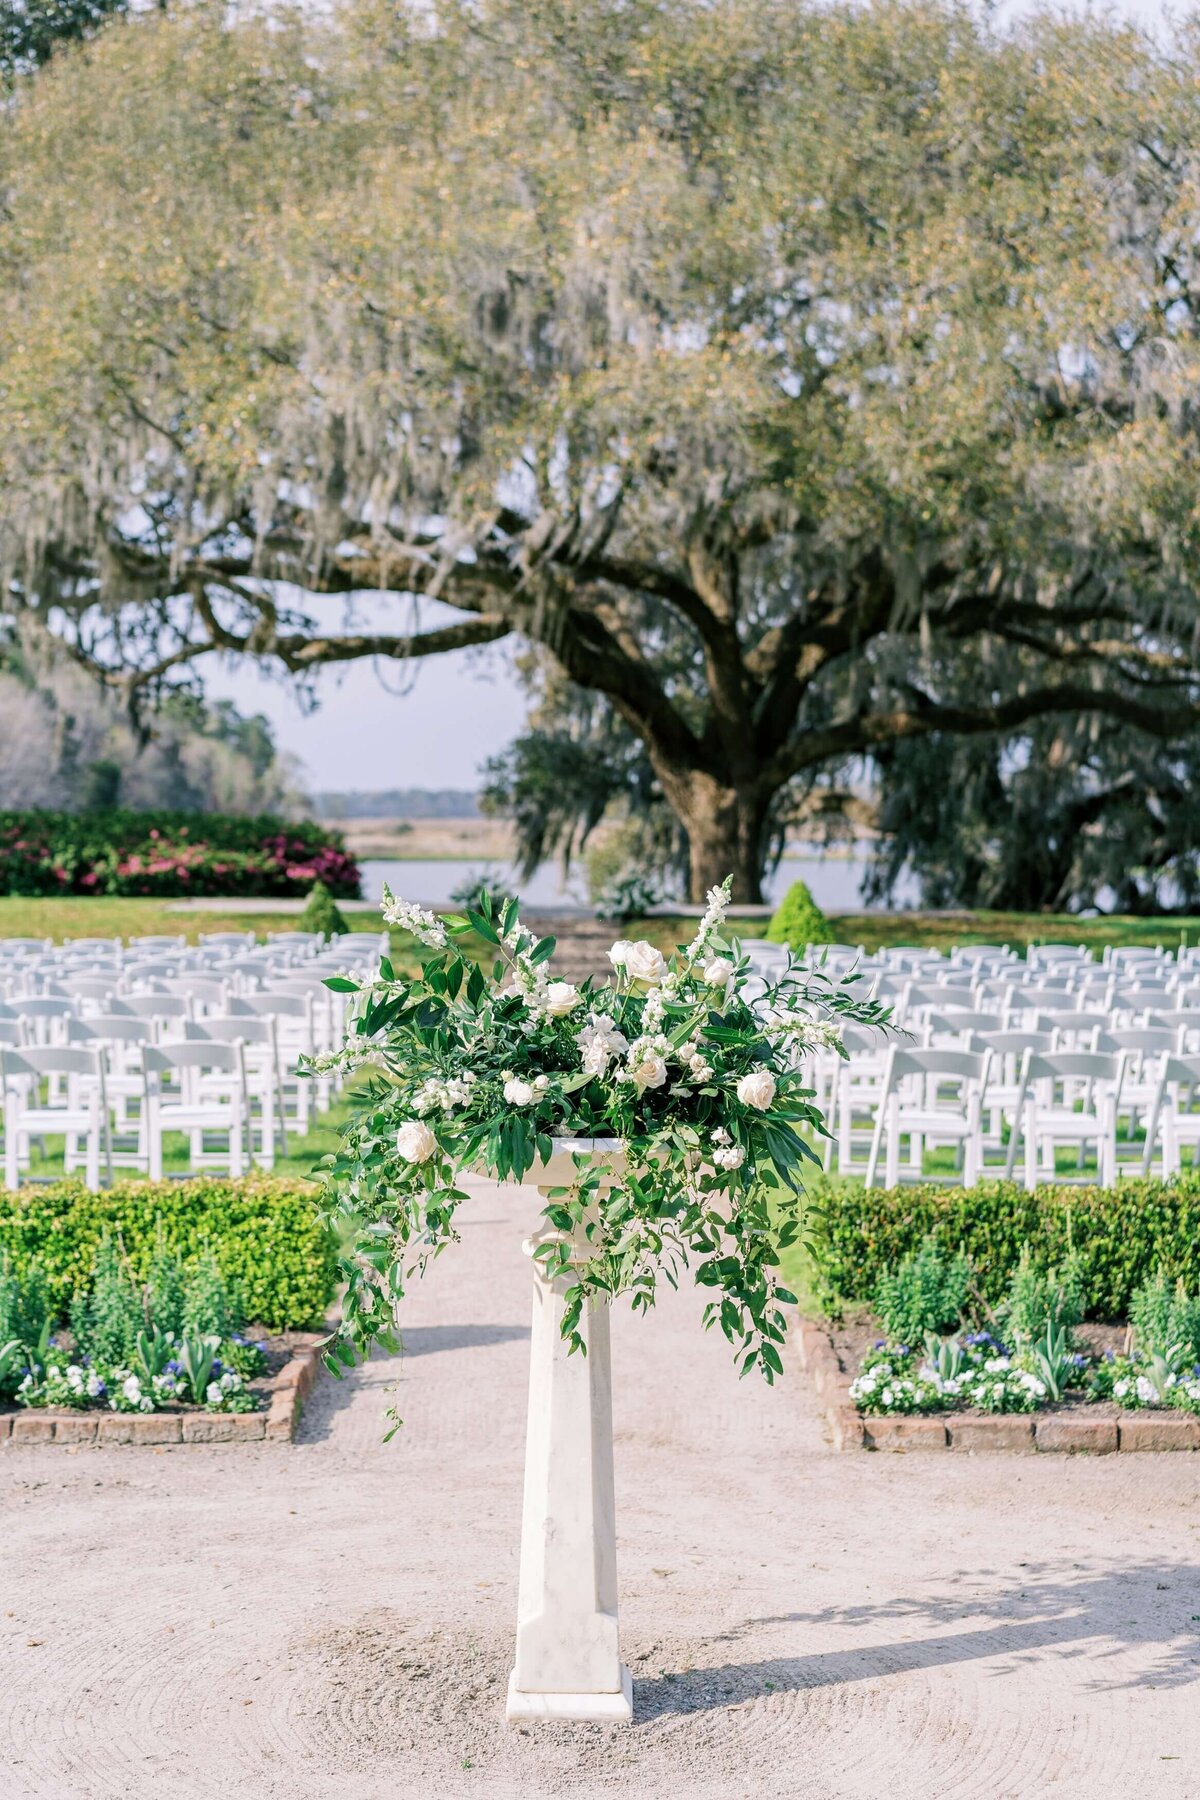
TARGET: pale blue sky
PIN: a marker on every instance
(433, 724)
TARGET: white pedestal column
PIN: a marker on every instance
(568, 1661)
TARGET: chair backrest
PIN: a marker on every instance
(1075, 1065)
(150, 1006)
(111, 1028)
(294, 1006)
(157, 943)
(964, 1065)
(1139, 1038)
(1015, 1043)
(963, 1019)
(243, 1030)
(45, 1006)
(191, 1054)
(51, 1059)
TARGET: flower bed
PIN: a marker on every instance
(927, 1353)
(167, 855)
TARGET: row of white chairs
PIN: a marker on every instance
(114, 1066)
(1007, 1065)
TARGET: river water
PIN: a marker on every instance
(833, 880)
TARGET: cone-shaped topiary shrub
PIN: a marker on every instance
(323, 913)
(799, 920)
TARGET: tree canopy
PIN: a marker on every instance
(802, 379)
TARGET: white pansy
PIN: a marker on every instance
(561, 998)
(131, 1387)
(641, 961)
(517, 1092)
(757, 1089)
(415, 1142)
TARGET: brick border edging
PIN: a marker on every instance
(278, 1424)
(1021, 1432)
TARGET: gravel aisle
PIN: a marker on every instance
(335, 1618)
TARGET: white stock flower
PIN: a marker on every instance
(425, 926)
(415, 1142)
(714, 915)
(641, 961)
(518, 1093)
(757, 1089)
(561, 998)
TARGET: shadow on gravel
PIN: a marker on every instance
(1094, 1616)
(430, 1340)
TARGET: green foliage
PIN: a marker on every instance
(210, 1305)
(702, 1089)
(107, 1320)
(323, 914)
(897, 474)
(1121, 1236)
(30, 29)
(1048, 820)
(170, 853)
(925, 1292)
(799, 921)
(1038, 1300)
(166, 1282)
(263, 1233)
(1165, 1318)
(25, 1300)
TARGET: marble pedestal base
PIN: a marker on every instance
(599, 1709)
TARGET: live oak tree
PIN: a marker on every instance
(30, 29)
(803, 380)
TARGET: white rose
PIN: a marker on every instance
(561, 999)
(415, 1142)
(649, 1071)
(718, 972)
(518, 1093)
(640, 961)
(757, 1089)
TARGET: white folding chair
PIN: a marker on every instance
(207, 1098)
(80, 1114)
(1067, 1098)
(1174, 1115)
(933, 1098)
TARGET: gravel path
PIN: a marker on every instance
(334, 1619)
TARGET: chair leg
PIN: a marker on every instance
(1031, 1148)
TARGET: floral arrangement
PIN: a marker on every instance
(691, 1061)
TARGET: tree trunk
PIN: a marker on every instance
(726, 829)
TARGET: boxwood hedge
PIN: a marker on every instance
(1124, 1234)
(262, 1231)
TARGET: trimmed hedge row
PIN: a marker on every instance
(263, 1232)
(166, 854)
(1124, 1234)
